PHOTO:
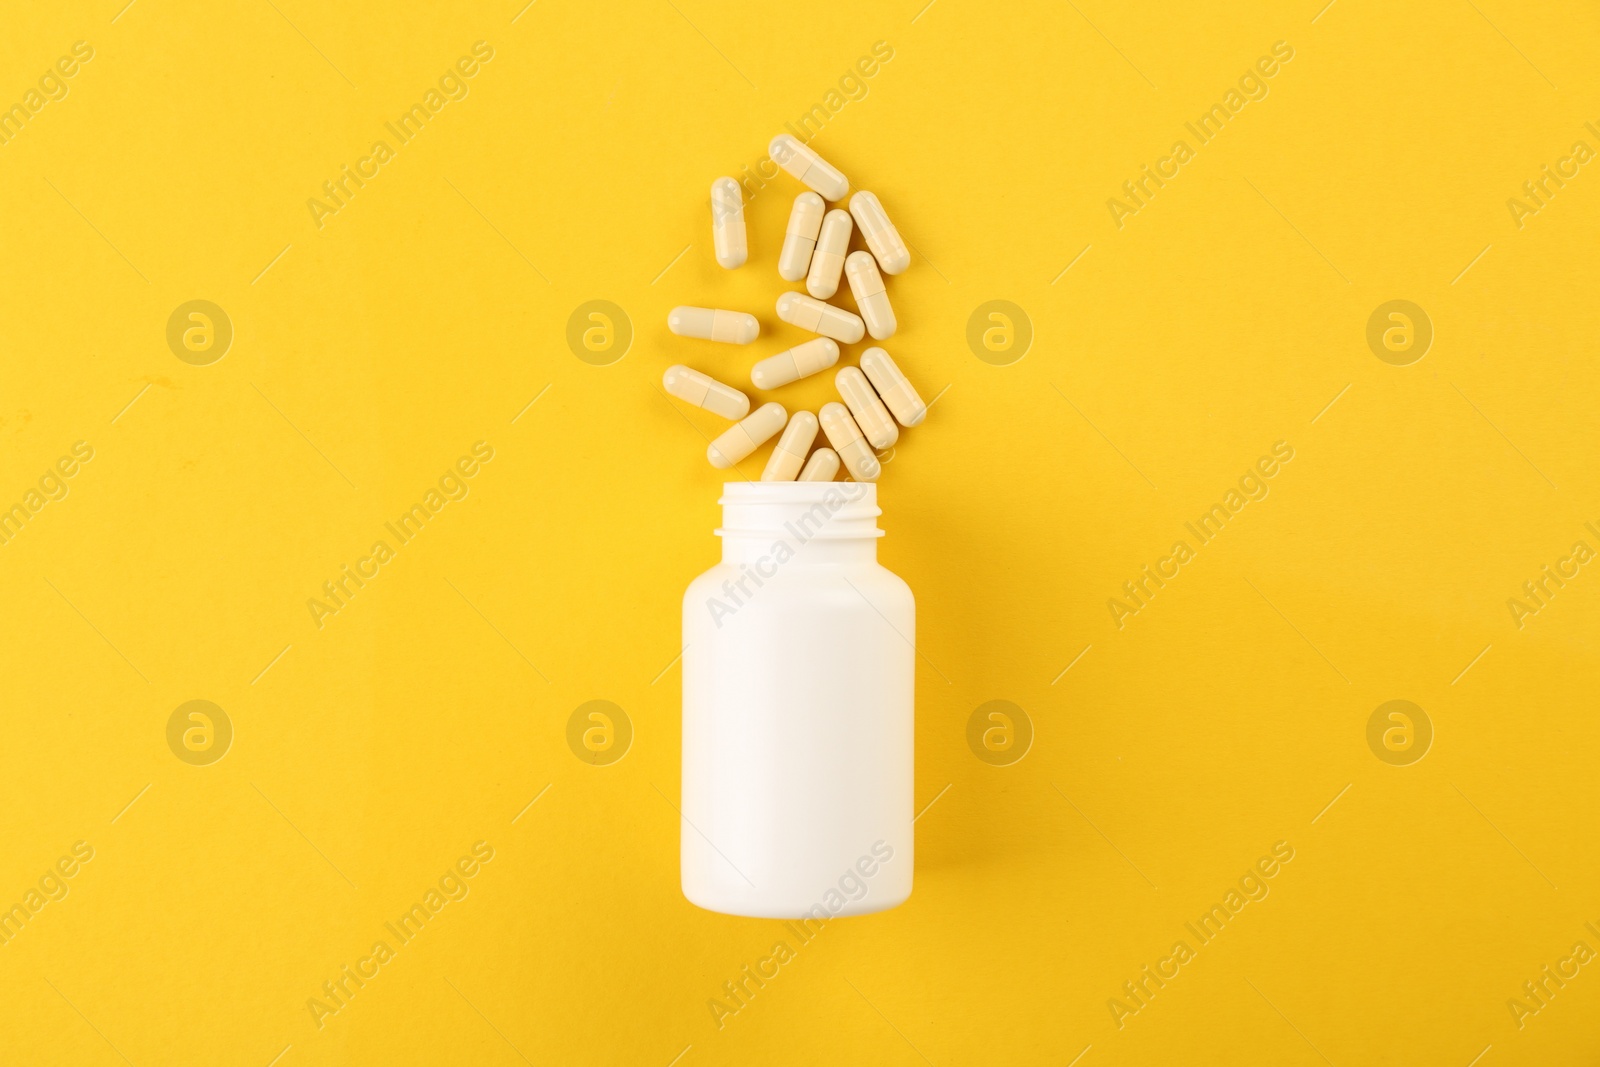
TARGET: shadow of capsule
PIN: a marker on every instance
(199, 733)
(599, 732)
(1399, 733)
(999, 733)
(599, 332)
(999, 332)
(199, 332)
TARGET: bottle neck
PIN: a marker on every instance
(783, 548)
(766, 525)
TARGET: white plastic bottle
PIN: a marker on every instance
(798, 731)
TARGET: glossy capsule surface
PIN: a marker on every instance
(812, 170)
(809, 313)
(790, 452)
(714, 324)
(847, 440)
(746, 435)
(882, 238)
(895, 389)
(821, 467)
(865, 407)
(866, 285)
(704, 391)
(792, 364)
(727, 223)
(805, 224)
(827, 261)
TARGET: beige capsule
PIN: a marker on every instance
(746, 435)
(866, 408)
(727, 223)
(805, 223)
(812, 170)
(792, 364)
(866, 285)
(714, 324)
(879, 233)
(898, 394)
(845, 437)
(828, 260)
(704, 391)
(790, 451)
(821, 467)
(798, 309)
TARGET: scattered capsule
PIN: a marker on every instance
(879, 233)
(714, 324)
(791, 449)
(746, 435)
(821, 467)
(792, 364)
(866, 285)
(898, 394)
(704, 391)
(866, 408)
(828, 259)
(813, 171)
(805, 222)
(845, 437)
(727, 223)
(803, 311)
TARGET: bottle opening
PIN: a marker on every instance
(807, 511)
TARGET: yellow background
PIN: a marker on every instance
(426, 314)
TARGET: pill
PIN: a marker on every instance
(879, 233)
(813, 171)
(747, 435)
(898, 394)
(714, 324)
(805, 222)
(790, 451)
(866, 408)
(704, 391)
(803, 311)
(790, 365)
(828, 259)
(727, 223)
(866, 285)
(845, 437)
(821, 467)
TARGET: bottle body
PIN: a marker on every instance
(798, 729)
